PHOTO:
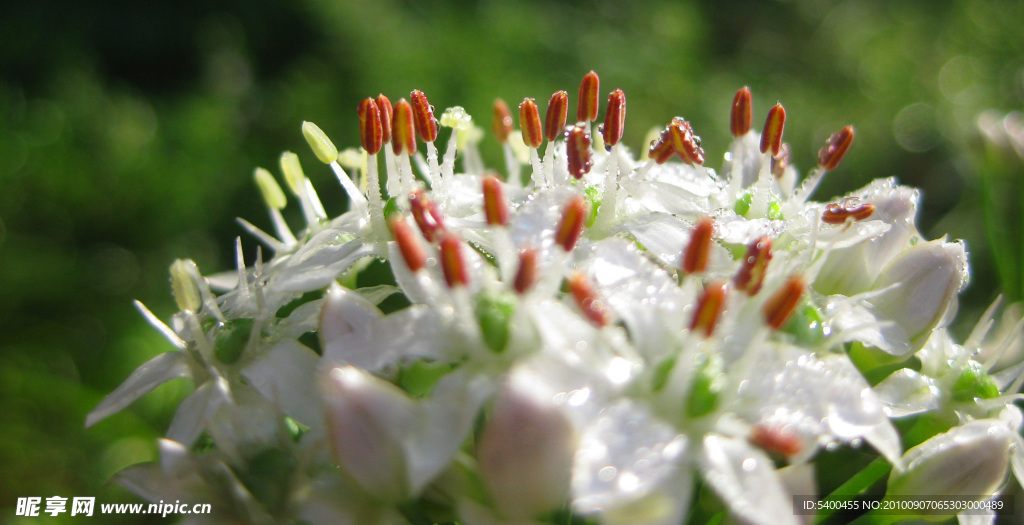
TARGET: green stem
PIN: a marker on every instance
(857, 484)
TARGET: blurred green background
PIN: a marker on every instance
(129, 132)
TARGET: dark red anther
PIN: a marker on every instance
(698, 251)
(834, 149)
(526, 275)
(409, 246)
(403, 131)
(529, 121)
(577, 149)
(571, 227)
(554, 121)
(780, 162)
(452, 263)
(426, 214)
(771, 137)
(750, 277)
(423, 116)
(586, 111)
(387, 114)
(587, 299)
(742, 112)
(502, 124)
(783, 302)
(370, 131)
(685, 143)
(776, 439)
(661, 149)
(615, 117)
(495, 206)
(849, 210)
(709, 308)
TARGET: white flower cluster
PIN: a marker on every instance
(590, 342)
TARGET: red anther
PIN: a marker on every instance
(834, 149)
(781, 304)
(775, 439)
(554, 121)
(586, 111)
(742, 112)
(850, 209)
(771, 137)
(661, 149)
(709, 308)
(529, 121)
(502, 124)
(615, 117)
(452, 263)
(684, 142)
(780, 162)
(698, 251)
(423, 116)
(573, 217)
(403, 130)
(587, 299)
(495, 206)
(755, 264)
(387, 114)
(412, 251)
(577, 149)
(526, 275)
(370, 131)
(426, 214)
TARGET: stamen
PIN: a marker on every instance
(742, 112)
(771, 137)
(836, 213)
(587, 299)
(615, 117)
(426, 214)
(709, 308)
(371, 132)
(554, 121)
(571, 226)
(495, 205)
(698, 251)
(502, 124)
(423, 116)
(834, 149)
(781, 304)
(271, 192)
(685, 143)
(386, 115)
(452, 263)
(403, 130)
(586, 111)
(412, 251)
(322, 146)
(526, 276)
(750, 277)
(577, 144)
(529, 121)
(780, 162)
(775, 439)
(661, 150)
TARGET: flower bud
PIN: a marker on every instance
(271, 192)
(184, 275)
(921, 285)
(526, 453)
(366, 420)
(969, 460)
(319, 143)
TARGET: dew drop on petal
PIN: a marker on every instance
(749, 464)
(607, 473)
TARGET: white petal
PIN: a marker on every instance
(283, 374)
(318, 263)
(906, 392)
(153, 373)
(745, 479)
(196, 409)
(347, 328)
